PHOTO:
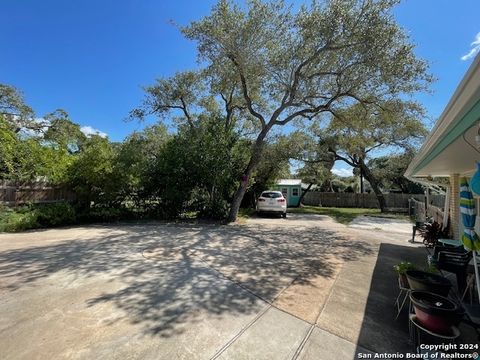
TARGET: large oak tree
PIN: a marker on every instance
(357, 135)
(275, 64)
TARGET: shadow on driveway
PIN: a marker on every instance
(172, 274)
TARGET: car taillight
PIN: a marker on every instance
(261, 199)
(281, 200)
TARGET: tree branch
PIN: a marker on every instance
(185, 112)
(246, 95)
(313, 111)
(344, 159)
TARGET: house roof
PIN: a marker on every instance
(448, 148)
(289, 182)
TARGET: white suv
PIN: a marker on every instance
(272, 202)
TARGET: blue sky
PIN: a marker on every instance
(91, 57)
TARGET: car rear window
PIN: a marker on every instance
(271, 195)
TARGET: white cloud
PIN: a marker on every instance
(475, 48)
(342, 172)
(89, 131)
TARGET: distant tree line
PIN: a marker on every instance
(152, 173)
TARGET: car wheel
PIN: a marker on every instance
(284, 215)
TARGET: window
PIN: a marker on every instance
(295, 192)
(271, 195)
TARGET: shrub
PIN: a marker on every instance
(36, 216)
(105, 214)
(217, 208)
(22, 219)
(55, 214)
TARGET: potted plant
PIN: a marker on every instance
(401, 268)
(435, 312)
(431, 268)
(427, 281)
(431, 232)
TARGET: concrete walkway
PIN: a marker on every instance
(301, 288)
(397, 226)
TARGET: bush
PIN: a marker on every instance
(11, 220)
(105, 214)
(52, 215)
(36, 216)
(55, 214)
(216, 208)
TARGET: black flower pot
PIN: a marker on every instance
(421, 280)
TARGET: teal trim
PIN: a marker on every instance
(468, 120)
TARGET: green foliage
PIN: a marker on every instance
(134, 165)
(54, 214)
(432, 232)
(8, 143)
(62, 133)
(28, 158)
(314, 173)
(267, 64)
(431, 268)
(360, 129)
(36, 216)
(11, 221)
(14, 111)
(356, 134)
(198, 170)
(404, 266)
(91, 175)
(389, 171)
(105, 214)
(345, 184)
(310, 52)
(275, 162)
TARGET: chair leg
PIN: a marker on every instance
(414, 233)
(461, 281)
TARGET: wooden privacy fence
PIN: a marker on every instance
(15, 194)
(417, 210)
(394, 201)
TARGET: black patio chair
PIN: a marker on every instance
(454, 260)
(418, 226)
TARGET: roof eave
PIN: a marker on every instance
(447, 120)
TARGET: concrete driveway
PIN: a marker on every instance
(268, 289)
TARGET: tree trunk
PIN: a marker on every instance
(252, 164)
(374, 184)
(304, 193)
(361, 181)
(327, 186)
